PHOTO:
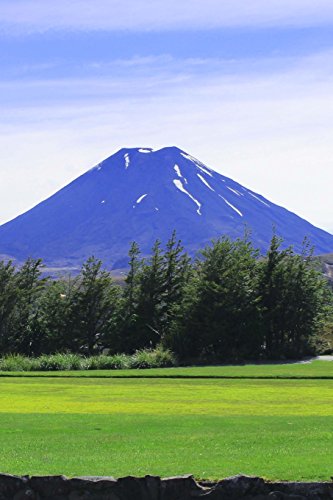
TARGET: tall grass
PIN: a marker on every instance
(149, 358)
(152, 358)
(58, 362)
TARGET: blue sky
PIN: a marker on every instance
(246, 86)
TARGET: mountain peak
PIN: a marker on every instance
(143, 150)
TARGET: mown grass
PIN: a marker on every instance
(315, 369)
(280, 429)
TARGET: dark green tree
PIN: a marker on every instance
(271, 291)
(150, 300)
(57, 320)
(220, 309)
(123, 335)
(177, 269)
(94, 304)
(30, 286)
(294, 300)
(8, 303)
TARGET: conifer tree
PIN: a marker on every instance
(220, 312)
(150, 302)
(30, 287)
(57, 321)
(94, 304)
(271, 290)
(294, 298)
(123, 336)
(8, 300)
(176, 276)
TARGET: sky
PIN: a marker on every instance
(246, 86)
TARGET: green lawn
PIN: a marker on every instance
(280, 429)
(316, 369)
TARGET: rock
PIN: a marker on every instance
(240, 485)
(50, 487)
(9, 485)
(98, 487)
(27, 494)
(155, 488)
(180, 488)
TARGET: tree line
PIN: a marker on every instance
(227, 304)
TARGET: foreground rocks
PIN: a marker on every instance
(155, 488)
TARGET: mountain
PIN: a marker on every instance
(141, 194)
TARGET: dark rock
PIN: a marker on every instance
(180, 488)
(132, 487)
(10, 484)
(155, 488)
(50, 487)
(98, 487)
(153, 485)
(307, 490)
(240, 486)
(26, 494)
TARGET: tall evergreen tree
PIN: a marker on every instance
(150, 301)
(123, 336)
(293, 300)
(8, 302)
(94, 303)
(220, 317)
(30, 285)
(57, 320)
(271, 291)
(177, 271)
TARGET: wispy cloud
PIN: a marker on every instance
(43, 15)
(271, 132)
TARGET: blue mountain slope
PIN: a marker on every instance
(141, 194)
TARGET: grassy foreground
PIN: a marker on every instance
(280, 429)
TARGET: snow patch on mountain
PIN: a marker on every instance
(257, 198)
(127, 160)
(234, 191)
(205, 182)
(203, 169)
(139, 200)
(231, 206)
(189, 157)
(181, 188)
(178, 172)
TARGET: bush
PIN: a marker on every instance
(104, 362)
(146, 358)
(59, 362)
(16, 363)
(157, 358)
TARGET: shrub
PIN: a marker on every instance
(59, 362)
(16, 363)
(104, 362)
(145, 358)
(148, 358)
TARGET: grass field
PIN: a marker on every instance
(280, 429)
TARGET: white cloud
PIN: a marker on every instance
(42, 15)
(270, 132)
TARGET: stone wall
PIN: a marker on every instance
(155, 488)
